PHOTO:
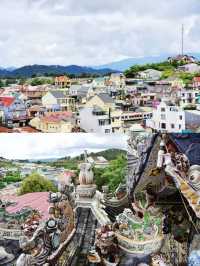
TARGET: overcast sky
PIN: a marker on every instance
(45, 146)
(92, 32)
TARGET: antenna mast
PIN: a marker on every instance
(182, 39)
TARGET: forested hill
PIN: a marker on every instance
(40, 70)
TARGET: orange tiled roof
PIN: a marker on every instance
(61, 78)
(6, 100)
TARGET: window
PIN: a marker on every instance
(163, 116)
(181, 117)
(162, 109)
(101, 122)
(107, 130)
(179, 126)
(163, 125)
(172, 126)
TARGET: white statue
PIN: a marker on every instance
(86, 175)
(194, 177)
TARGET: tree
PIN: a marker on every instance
(1, 84)
(12, 177)
(36, 82)
(41, 81)
(36, 183)
(100, 179)
(22, 81)
(10, 81)
(112, 175)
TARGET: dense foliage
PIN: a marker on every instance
(167, 68)
(112, 175)
(9, 178)
(40, 81)
(36, 183)
(51, 70)
(71, 164)
(110, 154)
(162, 66)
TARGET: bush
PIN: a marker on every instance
(36, 183)
(2, 185)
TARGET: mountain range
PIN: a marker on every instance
(124, 64)
(39, 70)
(113, 67)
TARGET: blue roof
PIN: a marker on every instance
(189, 144)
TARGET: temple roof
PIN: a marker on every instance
(36, 201)
(189, 144)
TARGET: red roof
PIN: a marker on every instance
(6, 100)
(69, 173)
(36, 201)
(5, 129)
(196, 79)
(56, 117)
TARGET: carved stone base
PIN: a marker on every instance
(86, 191)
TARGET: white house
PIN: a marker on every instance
(150, 74)
(190, 68)
(167, 118)
(98, 162)
(57, 101)
(95, 119)
(192, 118)
(77, 90)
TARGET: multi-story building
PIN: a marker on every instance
(102, 100)
(78, 91)
(189, 96)
(13, 111)
(121, 121)
(34, 93)
(95, 119)
(62, 81)
(167, 118)
(196, 82)
(57, 101)
(95, 115)
(117, 80)
(59, 122)
(144, 99)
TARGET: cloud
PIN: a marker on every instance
(93, 32)
(41, 145)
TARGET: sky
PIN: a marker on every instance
(47, 146)
(93, 32)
